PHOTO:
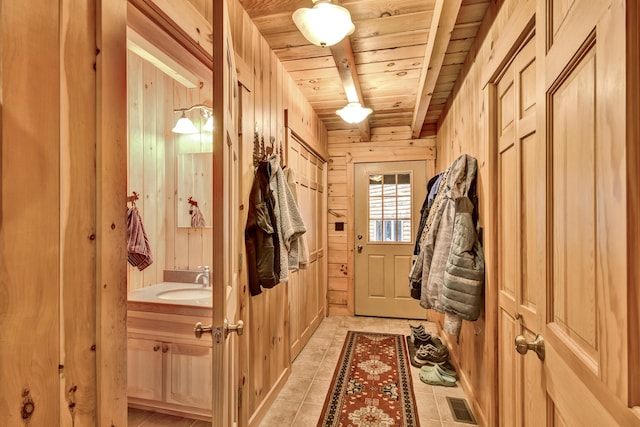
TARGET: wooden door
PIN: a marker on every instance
(586, 322)
(226, 328)
(521, 240)
(388, 198)
(307, 295)
(562, 236)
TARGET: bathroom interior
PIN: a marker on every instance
(169, 172)
(169, 176)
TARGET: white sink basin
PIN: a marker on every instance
(185, 293)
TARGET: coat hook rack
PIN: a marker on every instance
(192, 204)
(132, 199)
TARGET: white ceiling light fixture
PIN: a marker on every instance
(354, 112)
(325, 24)
(185, 126)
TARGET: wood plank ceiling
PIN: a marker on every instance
(406, 57)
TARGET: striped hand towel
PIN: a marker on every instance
(138, 245)
(197, 219)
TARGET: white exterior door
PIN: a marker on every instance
(388, 198)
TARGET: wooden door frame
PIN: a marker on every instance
(633, 196)
(111, 188)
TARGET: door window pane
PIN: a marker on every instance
(390, 208)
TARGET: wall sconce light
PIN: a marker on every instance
(186, 126)
(353, 112)
(325, 24)
(208, 126)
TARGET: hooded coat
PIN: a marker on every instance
(436, 245)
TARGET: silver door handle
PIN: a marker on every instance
(537, 345)
(359, 247)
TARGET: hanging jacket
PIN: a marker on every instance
(299, 251)
(455, 183)
(422, 263)
(464, 273)
(288, 221)
(432, 189)
(261, 239)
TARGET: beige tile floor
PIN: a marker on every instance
(299, 404)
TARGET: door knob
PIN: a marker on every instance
(359, 247)
(217, 331)
(201, 329)
(537, 345)
(237, 328)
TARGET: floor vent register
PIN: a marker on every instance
(460, 410)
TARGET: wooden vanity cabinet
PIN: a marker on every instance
(168, 369)
(144, 369)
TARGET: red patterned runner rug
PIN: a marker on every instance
(372, 384)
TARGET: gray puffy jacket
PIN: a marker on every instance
(464, 273)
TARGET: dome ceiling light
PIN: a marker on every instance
(325, 24)
(354, 112)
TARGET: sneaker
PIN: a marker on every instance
(419, 335)
(417, 329)
(434, 352)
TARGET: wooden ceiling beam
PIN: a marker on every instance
(443, 20)
(346, 64)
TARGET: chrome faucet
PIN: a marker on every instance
(204, 276)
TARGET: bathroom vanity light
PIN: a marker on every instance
(325, 24)
(186, 126)
(208, 126)
(353, 112)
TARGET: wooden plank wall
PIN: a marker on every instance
(463, 130)
(152, 167)
(56, 220)
(30, 282)
(267, 92)
(345, 149)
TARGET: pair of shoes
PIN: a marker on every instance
(435, 352)
(445, 368)
(435, 375)
(419, 335)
